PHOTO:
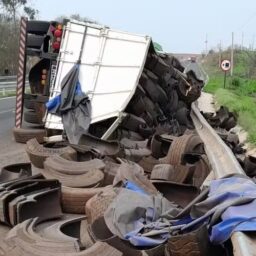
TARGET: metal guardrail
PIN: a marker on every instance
(223, 162)
(8, 85)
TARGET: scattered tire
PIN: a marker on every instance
(194, 243)
(38, 153)
(22, 135)
(66, 164)
(98, 204)
(250, 165)
(31, 116)
(52, 238)
(180, 146)
(73, 200)
(15, 171)
(90, 179)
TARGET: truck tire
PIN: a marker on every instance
(29, 104)
(22, 135)
(35, 41)
(37, 153)
(38, 27)
(31, 116)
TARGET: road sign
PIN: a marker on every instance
(225, 65)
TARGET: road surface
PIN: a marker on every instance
(10, 151)
(7, 107)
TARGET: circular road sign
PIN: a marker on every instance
(225, 65)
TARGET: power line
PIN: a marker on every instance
(247, 21)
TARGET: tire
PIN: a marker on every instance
(180, 146)
(90, 179)
(98, 204)
(195, 243)
(73, 200)
(65, 164)
(22, 135)
(38, 153)
(162, 172)
(58, 237)
(31, 116)
(29, 104)
(38, 27)
(35, 41)
(15, 171)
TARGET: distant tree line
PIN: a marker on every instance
(10, 13)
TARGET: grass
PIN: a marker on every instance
(238, 98)
(240, 92)
(8, 94)
(11, 93)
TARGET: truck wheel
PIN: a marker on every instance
(31, 116)
(38, 27)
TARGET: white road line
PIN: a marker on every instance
(8, 98)
(6, 111)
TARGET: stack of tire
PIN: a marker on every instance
(38, 38)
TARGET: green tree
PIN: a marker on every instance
(10, 12)
(13, 7)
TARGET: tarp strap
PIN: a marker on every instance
(82, 46)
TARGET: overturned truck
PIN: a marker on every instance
(132, 89)
(126, 153)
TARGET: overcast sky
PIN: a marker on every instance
(179, 26)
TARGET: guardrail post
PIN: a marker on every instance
(3, 92)
(21, 72)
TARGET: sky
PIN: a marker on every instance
(179, 26)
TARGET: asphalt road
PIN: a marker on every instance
(7, 107)
(10, 151)
(194, 66)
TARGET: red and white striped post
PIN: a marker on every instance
(21, 72)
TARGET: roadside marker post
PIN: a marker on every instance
(225, 66)
(21, 72)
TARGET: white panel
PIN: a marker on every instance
(111, 65)
(115, 79)
(108, 104)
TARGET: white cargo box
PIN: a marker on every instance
(111, 65)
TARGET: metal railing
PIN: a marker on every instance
(223, 162)
(8, 85)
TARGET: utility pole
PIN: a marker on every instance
(253, 37)
(232, 55)
(242, 44)
(206, 44)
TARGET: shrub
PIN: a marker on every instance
(236, 82)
